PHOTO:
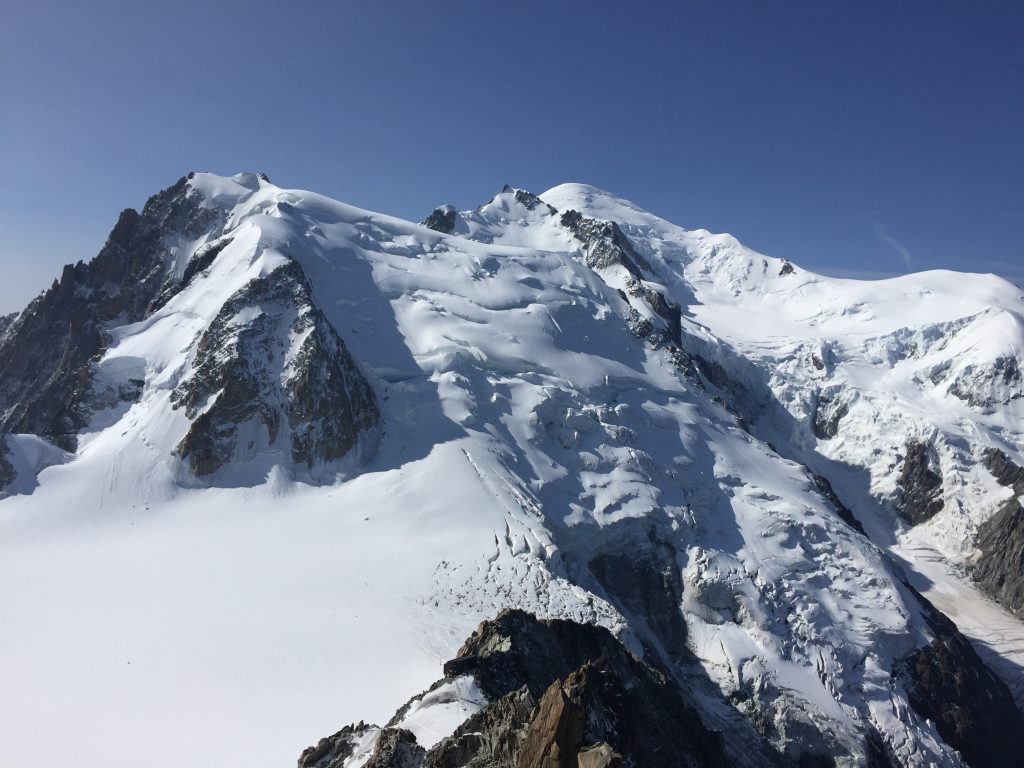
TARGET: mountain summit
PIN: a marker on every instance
(269, 461)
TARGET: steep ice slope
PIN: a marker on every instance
(866, 371)
(543, 444)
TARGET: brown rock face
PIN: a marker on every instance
(561, 693)
(555, 733)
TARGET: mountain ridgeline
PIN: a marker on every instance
(701, 506)
(268, 360)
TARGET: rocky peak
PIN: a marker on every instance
(526, 199)
(561, 695)
(6, 320)
(442, 219)
(47, 352)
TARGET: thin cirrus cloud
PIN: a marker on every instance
(893, 243)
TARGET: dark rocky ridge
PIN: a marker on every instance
(986, 387)
(441, 219)
(828, 412)
(203, 258)
(492, 737)
(6, 320)
(921, 485)
(47, 351)
(556, 688)
(999, 569)
(825, 489)
(528, 200)
(333, 751)
(605, 244)
(973, 710)
(1004, 470)
(671, 335)
(243, 365)
(396, 748)
(567, 694)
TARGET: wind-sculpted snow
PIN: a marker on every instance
(595, 416)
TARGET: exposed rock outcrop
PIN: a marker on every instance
(604, 243)
(973, 710)
(396, 748)
(1000, 567)
(47, 352)
(828, 412)
(562, 695)
(441, 219)
(1005, 471)
(333, 751)
(6, 320)
(987, 386)
(921, 486)
(668, 335)
(555, 733)
(825, 489)
(528, 200)
(492, 738)
(598, 756)
(271, 359)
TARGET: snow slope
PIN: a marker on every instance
(928, 356)
(527, 433)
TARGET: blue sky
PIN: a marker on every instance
(861, 139)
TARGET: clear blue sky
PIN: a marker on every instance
(862, 139)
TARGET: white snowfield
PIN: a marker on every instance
(150, 619)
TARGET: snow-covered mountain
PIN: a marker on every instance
(270, 459)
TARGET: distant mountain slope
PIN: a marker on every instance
(271, 458)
